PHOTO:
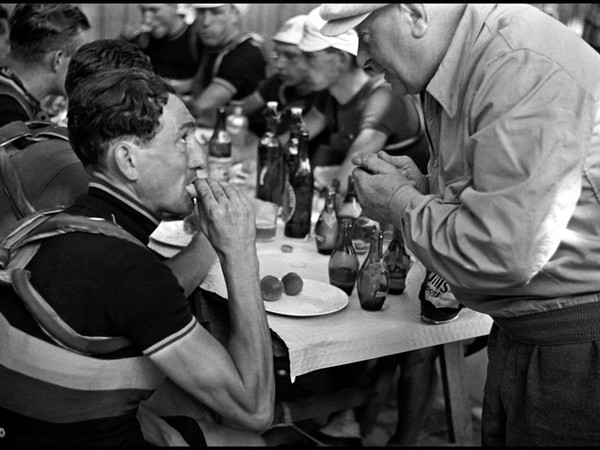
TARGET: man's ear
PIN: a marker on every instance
(418, 19)
(122, 154)
(58, 59)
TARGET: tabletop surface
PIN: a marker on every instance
(351, 334)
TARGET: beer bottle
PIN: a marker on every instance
(237, 125)
(302, 189)
(270, 171)
(373, 279)
(397, 262)
(219, 149)
(327, 226)
(291, 149)
(290, 160)
(343, 262)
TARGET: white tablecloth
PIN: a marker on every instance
(352, 334)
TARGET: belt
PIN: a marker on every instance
(579, 323)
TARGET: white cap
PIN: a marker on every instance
(291, 31)
(314, 41)
(241, 7)
(342, 17)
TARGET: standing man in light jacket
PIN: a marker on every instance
(509, 213)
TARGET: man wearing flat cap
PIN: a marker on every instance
(510, 213)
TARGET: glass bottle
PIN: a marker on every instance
(270, 171)
(343, 262)
(350, 207)
(290, 160)
(302, 184)
(327, 225)
(237, 125)
(219, 149)
(291, 149)
(373, 279)
(397, 262)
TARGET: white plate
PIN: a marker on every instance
(171, 233)
(315, 299)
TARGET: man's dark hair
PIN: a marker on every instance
(101, 55)
(39, 28)
(112, 104)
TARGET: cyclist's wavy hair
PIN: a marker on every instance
(39, 28)
(104, 54)
(111, 105)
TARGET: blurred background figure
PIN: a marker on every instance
(173, 45)
(233, 61)
(549, 8)
(4, 34)
(591, 26)
(359, 111)
(290, 83)
(43, 37)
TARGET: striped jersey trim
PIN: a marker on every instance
(30, 397)
(170, 339)
(25, 354)
(99, 182)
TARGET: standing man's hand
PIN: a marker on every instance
(376, 182)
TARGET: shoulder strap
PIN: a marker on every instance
(194, 41)
(8, 91)
(10, 181)
(13, 187)
(257, 39)
(21, 245)
(31, 131)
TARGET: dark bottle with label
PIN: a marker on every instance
(373, 279)
(219, 149)
(270, 171)
(290, 160)
(291, 150)
(302, 189)
(343, 262)
(327, 226)
(397, 262)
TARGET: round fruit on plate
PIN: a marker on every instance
(292, 283)
(271, 288)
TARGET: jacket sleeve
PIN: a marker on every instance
(496, 224)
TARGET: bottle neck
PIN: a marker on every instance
(397, 236)
(271, 125)
(297, 124)
(221, 116)
(303, 146)
(376, 248)
(330, 202)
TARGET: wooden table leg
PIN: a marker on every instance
(458, 410)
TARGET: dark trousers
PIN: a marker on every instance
(541, 395)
